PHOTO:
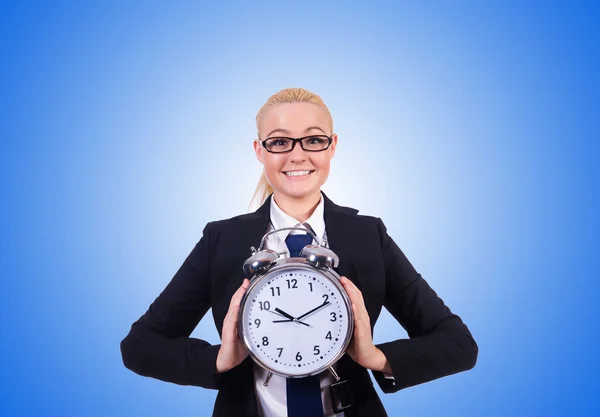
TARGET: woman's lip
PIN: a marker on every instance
(310, 171)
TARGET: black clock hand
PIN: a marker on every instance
(290, 317)
(283, 313)
(314, 309)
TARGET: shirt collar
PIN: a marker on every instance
(281, 219)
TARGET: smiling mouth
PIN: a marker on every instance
(302, 173)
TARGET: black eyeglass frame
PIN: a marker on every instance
(294, 140)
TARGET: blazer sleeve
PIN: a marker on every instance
(440, 344)
(158, 344)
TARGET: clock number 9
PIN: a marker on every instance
(264, 305)
(257, 322)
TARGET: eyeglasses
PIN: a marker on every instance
(314, 143)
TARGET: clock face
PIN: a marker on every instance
(316, 336)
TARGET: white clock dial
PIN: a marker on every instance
(305, 345)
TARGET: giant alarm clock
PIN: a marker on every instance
(295, 318)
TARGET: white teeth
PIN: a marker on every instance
(296, 173)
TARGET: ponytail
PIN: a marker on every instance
(263, 190)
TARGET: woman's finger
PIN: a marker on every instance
(237, 296)
(231, 318)
(358, 303)
(352, 290)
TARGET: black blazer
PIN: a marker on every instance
(158, 344)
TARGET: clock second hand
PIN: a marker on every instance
(277, 314)
(289, 316)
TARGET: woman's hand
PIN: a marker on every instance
(232, 351)
(361, 349)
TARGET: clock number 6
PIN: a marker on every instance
(298, 357)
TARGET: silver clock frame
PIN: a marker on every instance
(276, 267)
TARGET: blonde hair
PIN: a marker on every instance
(288, 95)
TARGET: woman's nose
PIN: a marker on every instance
(297, 153)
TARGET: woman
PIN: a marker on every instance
(296, 144)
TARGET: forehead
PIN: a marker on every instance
(295, 118)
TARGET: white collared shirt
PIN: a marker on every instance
(272, 399)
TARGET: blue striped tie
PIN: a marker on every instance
(303, 394)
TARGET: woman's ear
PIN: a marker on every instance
(258, 150)
(334, 141)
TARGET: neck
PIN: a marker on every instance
(299, 208)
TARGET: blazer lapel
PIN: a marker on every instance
(342, 238)
(352, 244)
(249, 232)
(254, 226)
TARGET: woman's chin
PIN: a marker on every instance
(299, 192)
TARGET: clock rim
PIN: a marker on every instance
(301, 263)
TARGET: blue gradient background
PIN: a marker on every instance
(472, 130)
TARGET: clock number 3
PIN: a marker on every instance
(333, 316)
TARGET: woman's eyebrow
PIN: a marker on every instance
(315, 127)
(284, 131)
(287, 132)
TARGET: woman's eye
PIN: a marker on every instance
(316, 140)
(279, 142)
